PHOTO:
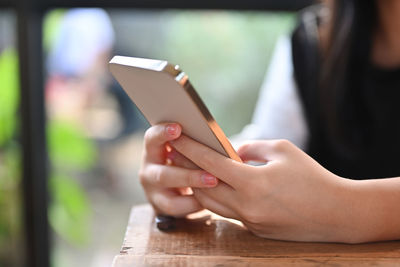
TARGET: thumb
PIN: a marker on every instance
(260, 150)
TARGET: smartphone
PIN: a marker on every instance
(163, 93)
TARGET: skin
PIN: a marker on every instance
(291, 196)
(165, 184)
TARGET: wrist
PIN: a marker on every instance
(375, 209)
(350, 229)
(368, 210)
(344, 215)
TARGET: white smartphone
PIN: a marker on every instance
(163, 93)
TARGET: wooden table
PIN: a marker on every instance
(209, 241)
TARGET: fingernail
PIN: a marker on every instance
(208, 179)
(171, 129)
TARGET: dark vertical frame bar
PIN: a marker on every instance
(33, 134)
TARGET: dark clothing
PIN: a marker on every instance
(372, 116)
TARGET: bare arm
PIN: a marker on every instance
(292, 197)
(375, 209)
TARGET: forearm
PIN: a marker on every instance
(373, 210)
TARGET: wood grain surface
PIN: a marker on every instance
(208, 240)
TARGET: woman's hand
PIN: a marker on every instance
(291, 197)
(166, 185)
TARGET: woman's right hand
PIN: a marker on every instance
(166, 185)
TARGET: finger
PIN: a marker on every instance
(212, 205)
(262, 150)
(169, 203)
(223, 194)
(179, 160)
(226, 169)
(252, 151)
(171, 177)
(155, 139)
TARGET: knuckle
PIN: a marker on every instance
(142, 176)
(281, 145)
(153, 133)
(159, 176)
(251, 216)
(168, 207)
(244, 147)
(148, 135)
(153, 174)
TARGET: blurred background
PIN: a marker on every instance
(94, 132)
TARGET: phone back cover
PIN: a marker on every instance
(162, 99)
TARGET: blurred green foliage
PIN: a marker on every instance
(10, 161)
(70, 153)
(69, 212)
(69, 149)
(50, 27)
(9, 95)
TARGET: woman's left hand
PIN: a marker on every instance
(291, 197)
